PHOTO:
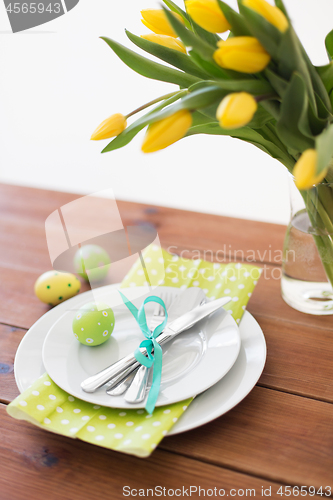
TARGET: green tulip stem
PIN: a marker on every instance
(266, 97)
(151, 103)
(321, 221)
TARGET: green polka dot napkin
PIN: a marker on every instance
(134, 431)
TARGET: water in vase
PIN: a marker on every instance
(304, 284)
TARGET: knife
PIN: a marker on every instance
(188, 300)
(126, 381)
(184, 322)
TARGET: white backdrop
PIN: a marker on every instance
(59, 81)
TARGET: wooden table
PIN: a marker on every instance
(281, 434)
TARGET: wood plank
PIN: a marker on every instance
(38, 464)
(271, 434)
(19, 307)
(278, 436)
(299, 359)
(187, 230)
(30, 254)
(18, 304)
(10, 337)
(267, 301)
(297, 428)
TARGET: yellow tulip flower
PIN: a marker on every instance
(157, 21)
(305, 170)
(111, 127)
(271, 13)
(242, 53)
(236, 110)
(166, 41)
(208, 15)
(165, 132)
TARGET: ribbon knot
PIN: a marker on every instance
(154, 350)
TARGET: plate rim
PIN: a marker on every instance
(177, 428)
(230, 322)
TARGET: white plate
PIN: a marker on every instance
(192, 362)
(213, 403)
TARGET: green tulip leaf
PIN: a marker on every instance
(329, 45)
(199, 118)
(277, 82)
(175, 8)
(324, 147)
(281, 6)
(148, 68)
(209, 67)
(211, 38)
(237, 22)
(326, 75)
(260, 118)
(245, 134)
(293, 57)
(273, 107)
(132, 130)
(291, 60)
(171, 56)
(318, 86)
(322, 110)
(197, 99)
(293, 116)
(268, 132)
(267, 34)
(200, 98)
(255, 87)
(189, 38)
(317, 124)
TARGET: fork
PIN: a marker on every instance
(126, 379)
(137, 390)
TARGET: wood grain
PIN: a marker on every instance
(271, 434)
(299, 359)
(10, 337)
(187, 231)
(267, 301)
(281, 433)
(23, 247)
(36, 464)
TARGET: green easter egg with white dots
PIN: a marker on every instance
(92, 262)
(93, 324)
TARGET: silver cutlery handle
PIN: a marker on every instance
(121, 383)
(137, 390)
(122, 386)
(96, 381)
(104, 376)
(92, 383)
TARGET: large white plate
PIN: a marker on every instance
(192, 362)
(213, 403)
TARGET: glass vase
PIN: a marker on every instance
(307, 265)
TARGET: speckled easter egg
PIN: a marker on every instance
(93, 324)
(92, 262)
(54, 287)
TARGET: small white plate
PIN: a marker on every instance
(213, 403)
(192, 362)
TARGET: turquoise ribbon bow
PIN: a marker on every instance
(150, 344)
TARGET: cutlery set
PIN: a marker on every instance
(127, 375)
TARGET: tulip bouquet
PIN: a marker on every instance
(256, 84)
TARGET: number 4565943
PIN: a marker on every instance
(33, 8)
(304, 491)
